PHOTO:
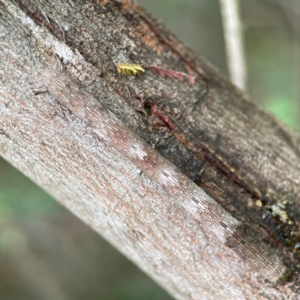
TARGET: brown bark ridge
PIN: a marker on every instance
(195, 183)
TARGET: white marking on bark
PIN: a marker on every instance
(167, 176)
(136, 150)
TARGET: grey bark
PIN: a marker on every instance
(122, 153)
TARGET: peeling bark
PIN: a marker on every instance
(195, 183)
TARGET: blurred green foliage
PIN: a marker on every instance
(34, 228)
(19, 197)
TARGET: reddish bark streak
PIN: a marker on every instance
(203, 152)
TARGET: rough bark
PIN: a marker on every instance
(145, 160)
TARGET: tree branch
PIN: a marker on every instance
(86, 134)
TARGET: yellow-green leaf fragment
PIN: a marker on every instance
(130, 69)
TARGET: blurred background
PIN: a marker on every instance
(47, 253)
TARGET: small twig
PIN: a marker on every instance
(234, 42)
(137, 69)
(171, 73)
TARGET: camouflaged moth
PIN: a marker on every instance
(130, 69)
